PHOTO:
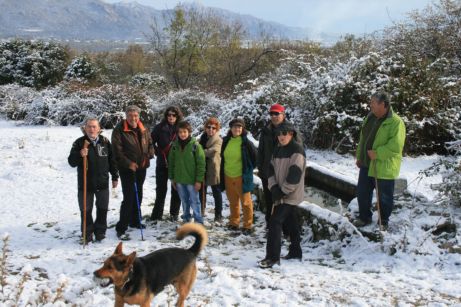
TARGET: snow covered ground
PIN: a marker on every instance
(39, 214)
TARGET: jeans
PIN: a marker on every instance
(129, 214)
(365, 188)
(189, 199)
(161, 182)
(283, 214)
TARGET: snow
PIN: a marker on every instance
(39, 213)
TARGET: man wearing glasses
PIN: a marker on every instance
(267, 143)
(163, 136)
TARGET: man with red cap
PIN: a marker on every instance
(267, 143)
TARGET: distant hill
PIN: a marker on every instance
(98, 20)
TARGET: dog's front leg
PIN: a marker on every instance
(119, 302)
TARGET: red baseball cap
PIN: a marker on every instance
(277, 108)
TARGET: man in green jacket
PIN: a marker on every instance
(379, 155)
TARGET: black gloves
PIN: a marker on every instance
(277, 193)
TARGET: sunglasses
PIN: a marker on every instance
(211, 127)
(275, 113)
(284, 133)
(171, 114)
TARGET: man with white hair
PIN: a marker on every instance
(101, 162)
(133, 149)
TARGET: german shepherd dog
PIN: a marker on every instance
(138, 279)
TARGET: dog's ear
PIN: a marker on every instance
(118, 249)
(130, 259)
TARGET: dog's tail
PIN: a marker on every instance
(198, 232)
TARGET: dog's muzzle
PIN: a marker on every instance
(103, 282)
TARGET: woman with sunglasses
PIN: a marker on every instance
(211, 142)
(163, 136)
(238, 158)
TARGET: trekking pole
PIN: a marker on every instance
(378, 205)
(85, 169)
(139, 206)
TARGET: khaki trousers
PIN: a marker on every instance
(235, 195)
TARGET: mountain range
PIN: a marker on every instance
(99, 20)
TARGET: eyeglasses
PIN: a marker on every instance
(275, 113)
(284, 133)
(211, 127)
(237, 126)
(171, 114)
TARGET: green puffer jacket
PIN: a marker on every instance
(186, 166)
(388, 145)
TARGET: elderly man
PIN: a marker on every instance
(267, 144)
(133, 149)
(101, 162)
(286, 183)
(379, 155)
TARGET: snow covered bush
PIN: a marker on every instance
(32, 63)
(81, 69)
(67, 105)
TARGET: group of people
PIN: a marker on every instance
(224, 164)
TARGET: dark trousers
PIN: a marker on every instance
(129, 214)
(99, 226)
(217, 196)
(365, 188)
(267, 200)
(283, 214)
(161, 181)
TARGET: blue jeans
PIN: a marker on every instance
(189, 199)
(365, 188)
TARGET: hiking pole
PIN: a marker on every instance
(139, 206)
(85, 166)
(378, 205)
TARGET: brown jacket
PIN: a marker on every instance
(212, 150)
(127, 147)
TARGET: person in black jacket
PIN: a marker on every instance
(163, 135)
(101, 162)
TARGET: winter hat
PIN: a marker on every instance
(277, 108)
(285, 126)
(237, 121)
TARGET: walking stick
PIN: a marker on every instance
(85, 170)
(203, 198)
(378, 205)
(139, 206)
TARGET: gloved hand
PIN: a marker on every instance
(277, 193)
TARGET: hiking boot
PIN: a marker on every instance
(173, 218)
(218, 218)
(122, 236)
(248, 231)
(361, 223)
(288, 257)
(232, 227)
(268, 263)
(100, 237)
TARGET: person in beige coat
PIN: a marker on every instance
(211, 142)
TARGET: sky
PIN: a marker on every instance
(332, 16)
